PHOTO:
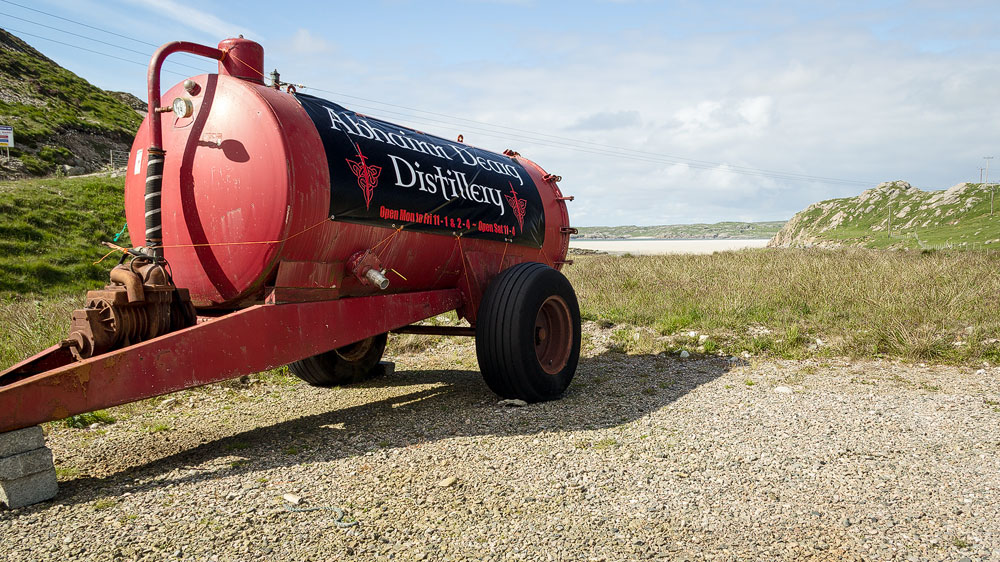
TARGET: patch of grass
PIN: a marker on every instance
(606, 443)
(83, 421)
(960, 542)
(67, 472)
(280, 377)
(104, 503)
(156, 427)
(51, 232)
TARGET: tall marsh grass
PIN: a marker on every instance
(29, 326)
(861, 303)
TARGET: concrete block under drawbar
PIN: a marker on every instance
(21, 441)
(29, 490)
(25, 464)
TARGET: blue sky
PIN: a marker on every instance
(653, 112)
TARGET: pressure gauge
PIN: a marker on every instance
(183, 107)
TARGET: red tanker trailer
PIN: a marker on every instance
(274, 228)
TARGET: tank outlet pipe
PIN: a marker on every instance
(366, 266)
(377, 279)
(156, 154)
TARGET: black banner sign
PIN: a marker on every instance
(384, 174)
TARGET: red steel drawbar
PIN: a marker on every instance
(247, 341)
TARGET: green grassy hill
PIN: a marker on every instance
(59, 119)
(734, 230)
(51, 230)
(896, 215)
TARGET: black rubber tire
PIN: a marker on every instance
(342, 366)
(506, 333)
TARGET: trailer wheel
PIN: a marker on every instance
(344, 365)
(528, 333)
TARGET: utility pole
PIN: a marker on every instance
(981, 175)
(988, 158)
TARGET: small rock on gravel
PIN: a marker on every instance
(447, 482)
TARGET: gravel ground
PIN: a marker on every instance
(646, 457)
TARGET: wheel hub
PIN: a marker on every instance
(553, 334)
(355, 351)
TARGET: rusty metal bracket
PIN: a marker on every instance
(552, 178)
(366, 266)
(565, 198)
(568, 230)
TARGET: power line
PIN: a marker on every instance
(95, 40)
(143, 64)
(80, 23)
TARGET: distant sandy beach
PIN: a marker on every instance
(652, 247)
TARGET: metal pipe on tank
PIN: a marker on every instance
(156, 154)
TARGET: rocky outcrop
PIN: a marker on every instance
(61, 122)
(896, 214)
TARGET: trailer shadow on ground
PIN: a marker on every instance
(405, 409)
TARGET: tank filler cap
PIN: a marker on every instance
(243, 59)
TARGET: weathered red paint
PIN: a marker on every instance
(247, 341)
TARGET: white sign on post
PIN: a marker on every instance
(6, 136)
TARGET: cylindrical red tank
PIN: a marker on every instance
(247, 197)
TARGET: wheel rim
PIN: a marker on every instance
(355, 351)
(553, 335)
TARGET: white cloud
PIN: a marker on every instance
(607, 120)
(305, 42)
(196, 19)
